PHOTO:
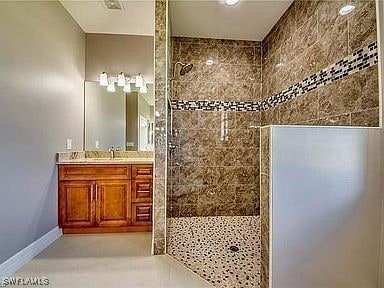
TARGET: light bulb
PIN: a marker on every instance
(143, 89)
(121, 79)
(111, 87)
(103, 81)
(347, 8)
(139, 81)
(231, 2)
(127, 88)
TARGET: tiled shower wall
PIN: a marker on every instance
(215, 164)
(310, 36)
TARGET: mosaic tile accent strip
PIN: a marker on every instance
(207, 105)
(360, 59)
(224, 250)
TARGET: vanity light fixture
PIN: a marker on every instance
(139, 80)
(121, 79)
(144, 89)
(231, 2)
(347, 8)
(103, 80)
(111, 87)
(209, 62)
(127, 87)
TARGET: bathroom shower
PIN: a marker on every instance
(185, 68)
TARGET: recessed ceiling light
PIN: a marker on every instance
(347, 8)
(209, 62)
(113, 4)
(231, 2)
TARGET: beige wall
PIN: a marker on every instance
(119, 53)
(41, 105)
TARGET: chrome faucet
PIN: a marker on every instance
(111, 151)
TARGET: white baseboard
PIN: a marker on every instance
(21, 258)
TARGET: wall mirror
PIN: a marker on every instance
(119, 119)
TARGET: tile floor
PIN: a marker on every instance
(108, 260)
(203, 244)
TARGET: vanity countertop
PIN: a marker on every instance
(108, 161)
(101, 157)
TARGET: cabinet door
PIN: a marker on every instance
(142, 191)
(113, 203)
(76, 205)
(141, 214)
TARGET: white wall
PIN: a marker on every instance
(326, 201)
(42, 63)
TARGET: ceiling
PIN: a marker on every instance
(137, 17)
(247, 20)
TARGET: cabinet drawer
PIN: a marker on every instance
(142, 191)
(94, 172)
(142, 171)
(141, 214)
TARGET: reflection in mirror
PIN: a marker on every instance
(118, 119)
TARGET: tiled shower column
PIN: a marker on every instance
(159, 191)
(264, 204)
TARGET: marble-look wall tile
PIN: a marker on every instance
(366, 118)
(310, 36)
(160, 127)
(356, 92)
(339, 120)
(232, 60)
(264, 150)
(265, 194)
(216, 166)
(362, 24)
(270, 116)
(216, 152)
(264, 216)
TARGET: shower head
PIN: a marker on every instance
(185, 68)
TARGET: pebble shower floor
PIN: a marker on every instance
(204, 245)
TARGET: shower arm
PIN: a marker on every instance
(174, 70)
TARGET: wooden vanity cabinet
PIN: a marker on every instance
(105, 198)
(76, 205)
